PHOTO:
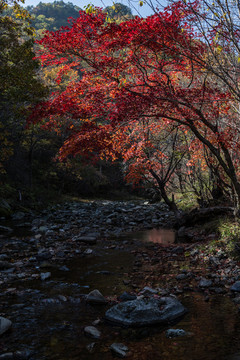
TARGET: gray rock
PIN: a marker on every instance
(4, 265)
(5, 208)
(90, 347)
(7, 356)
(181, 232)
(5, 324)
(88, 251)
(205, 283)
(18, 215)
(92, 331)
(22, 355)
(43, 254)
(119, 349)
(5, 229)
(181, 276)
(90, 240)
(148, 291)
(45, 276)
(144, 312)
(235, 286)
(96, 297)
(170, 333)
(127, 297)
(64, 268)
(43, 229)
(236, 300)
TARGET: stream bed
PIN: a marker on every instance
(49, 316)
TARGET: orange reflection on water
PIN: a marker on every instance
(161, 236)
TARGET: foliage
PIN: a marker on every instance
(230, 236)
(19, 83)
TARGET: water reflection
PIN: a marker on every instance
(160, 236)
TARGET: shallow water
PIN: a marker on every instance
(52, 327)
(158, 236)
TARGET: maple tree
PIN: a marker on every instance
(140, 78)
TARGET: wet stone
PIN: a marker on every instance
(90, 240)
(5, 325)
(144, 312)
(127, 297)
(92, 332)
(181, 276)
(7, 356)
(91, 347)
(148, 291)
(170, 333)
(45, 276)
(64, 268)
(205, 283)
(4, 265)
(95, 297)
(235, 286)
(119, 349)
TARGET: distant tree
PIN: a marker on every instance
(118, 11)
(51, 16)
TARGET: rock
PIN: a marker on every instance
(43, 254)
(45, 276)
(22, 355)
(5, 229)
(178, 250)
(236, 300)
(90, 240)
(235, 286)
(144, 312)
(181, 232)
(45, 265)
(4, 265)
(148, 291)
(62, 298)
(43, 229)
(96, 297)
(5, 208)
(64, 268)
(18, 215)
(119, 349)
(181, 276)
(205, 283)
(90, 347)
(88, 251)
(5, 325)
(7, 356)
(170, 333)
(92, 331)
(127, 297)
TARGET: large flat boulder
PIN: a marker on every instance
(145, 312)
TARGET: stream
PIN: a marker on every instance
(48, 317)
